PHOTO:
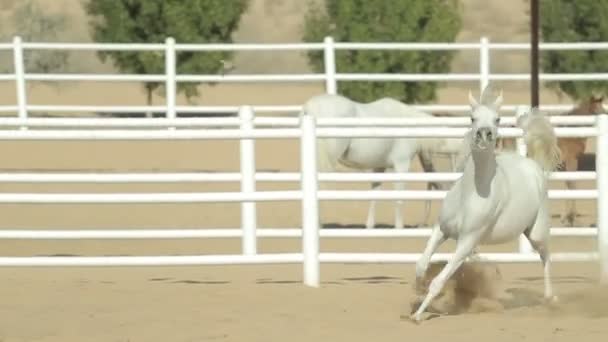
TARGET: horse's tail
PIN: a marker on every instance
(540, 139)
(326, 160)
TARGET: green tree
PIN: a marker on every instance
(574, 21)
(152, 21)
(385, 21)
(29, 21)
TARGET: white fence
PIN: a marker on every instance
(245, 128)
(330, 77)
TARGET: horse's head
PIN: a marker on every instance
(596, 104)
(485, 119)
(592, 106)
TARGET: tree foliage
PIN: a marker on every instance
(33, 24)
(152, 21)
(574, 21)
(385, 21)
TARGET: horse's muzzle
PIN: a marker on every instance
(484, 137)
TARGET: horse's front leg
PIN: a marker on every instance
(371, 213)
(465, 246)
(436, 239)
(402, 166)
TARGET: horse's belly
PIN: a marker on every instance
(513, 221)
(369, 152)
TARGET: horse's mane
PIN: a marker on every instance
(540, 139)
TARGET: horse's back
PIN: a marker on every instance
(389, 107)
(330, 105)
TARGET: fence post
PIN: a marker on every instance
(310, 202)
(20, 78)
(248, 209)
(601, 167)
(329, 54)
(524, 244)
(170, 74)
(484, 63)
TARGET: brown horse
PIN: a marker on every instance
(573, 148)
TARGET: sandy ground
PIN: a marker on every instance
(268, 303)
(246, 303)
(358, 302)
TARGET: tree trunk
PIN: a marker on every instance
(149, 113)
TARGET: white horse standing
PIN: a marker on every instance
(377, 154)
(498, 197)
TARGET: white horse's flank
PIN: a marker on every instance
(377, 154)
(498, 197)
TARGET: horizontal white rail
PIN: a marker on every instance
(268, 133)
(393, 195)
(284, 258)
(482, 257)
(31, 177)
(309, 77)
(234, 109)
(305, 46)
(155, 109)
(585, 120)
(96, 77)
(289, 195)
(221, 233)
(182, 197)
(173, 260)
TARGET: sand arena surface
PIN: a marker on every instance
(268, 303)
(357, 302)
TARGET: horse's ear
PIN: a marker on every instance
(472, 101)
(498, 102)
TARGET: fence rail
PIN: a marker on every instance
(330, 77)
(247, 128)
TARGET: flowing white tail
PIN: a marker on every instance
(540, 139)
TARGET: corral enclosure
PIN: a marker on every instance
(235, 303)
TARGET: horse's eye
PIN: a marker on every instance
(497, 120)
(472, 119)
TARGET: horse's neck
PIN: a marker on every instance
(484, 166)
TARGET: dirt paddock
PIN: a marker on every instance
(268, 303)
(356, 302)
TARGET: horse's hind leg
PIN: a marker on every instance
(569, 216)
(538, 235)
(426, 161)
(371, 214)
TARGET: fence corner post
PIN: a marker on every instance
(310, 202)
(170, 77)
(19, 65)
(248, 209)
(329, 55)
(601, 167)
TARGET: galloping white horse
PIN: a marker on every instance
(377, 154)
(498, 197)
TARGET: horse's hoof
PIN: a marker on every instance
(552, 301)
(412, 318)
